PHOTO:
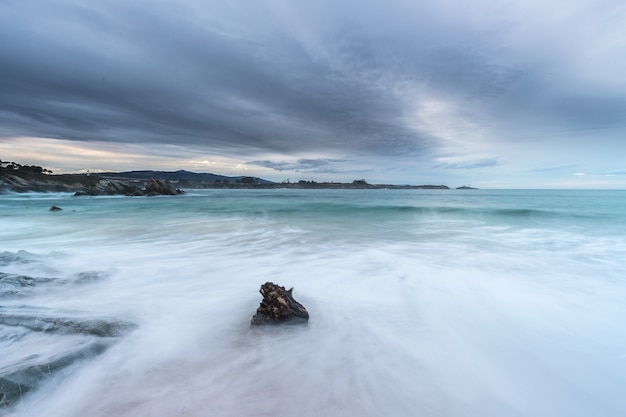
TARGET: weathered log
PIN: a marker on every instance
(278, 306)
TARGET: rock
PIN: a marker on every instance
(20, 257)
(21, 380)
(109, 187)
(128, 188)
(278, 306)
(43, 345)
(16, 285)
(12, 285)
(55, 208)
(101, 327)
(157, 187)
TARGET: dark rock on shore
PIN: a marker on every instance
(110, 187)
(157, 187)
(120, 187)
(278, 306)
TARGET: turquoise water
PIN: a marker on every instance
(422, 302)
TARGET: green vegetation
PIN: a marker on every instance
(13, 167)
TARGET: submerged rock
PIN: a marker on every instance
(14, 385)
(19, 257)
(17, 285)
(40, 345)
(55, 208)
(278, 306)
(101, 327)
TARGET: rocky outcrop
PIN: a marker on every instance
(24, 181)
(120, 187)
(109, 187)
(157, 187)
(278, 306)
(42, 183)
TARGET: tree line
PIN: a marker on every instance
(14, 166)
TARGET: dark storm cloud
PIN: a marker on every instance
(277, 77)
(130, 74)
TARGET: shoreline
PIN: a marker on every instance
(83, 184)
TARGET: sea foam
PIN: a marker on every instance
(421, 303)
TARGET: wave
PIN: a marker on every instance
(396, 211)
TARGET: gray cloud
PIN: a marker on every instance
(469, 163)
(284, 78)
(565, 167)
(135, 75)
(615, 172)
(301, 165)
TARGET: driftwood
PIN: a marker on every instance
(278, 306)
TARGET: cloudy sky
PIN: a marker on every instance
(492, 93)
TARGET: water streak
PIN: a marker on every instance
(431, 303)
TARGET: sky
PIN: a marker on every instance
(487, 93)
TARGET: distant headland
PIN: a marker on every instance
(29, 178)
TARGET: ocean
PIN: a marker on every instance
(422, 303)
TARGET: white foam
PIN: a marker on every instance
(485, 323)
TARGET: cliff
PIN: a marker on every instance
(82, 185)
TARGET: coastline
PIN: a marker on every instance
(119, 184)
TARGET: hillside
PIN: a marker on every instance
(23, 178)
